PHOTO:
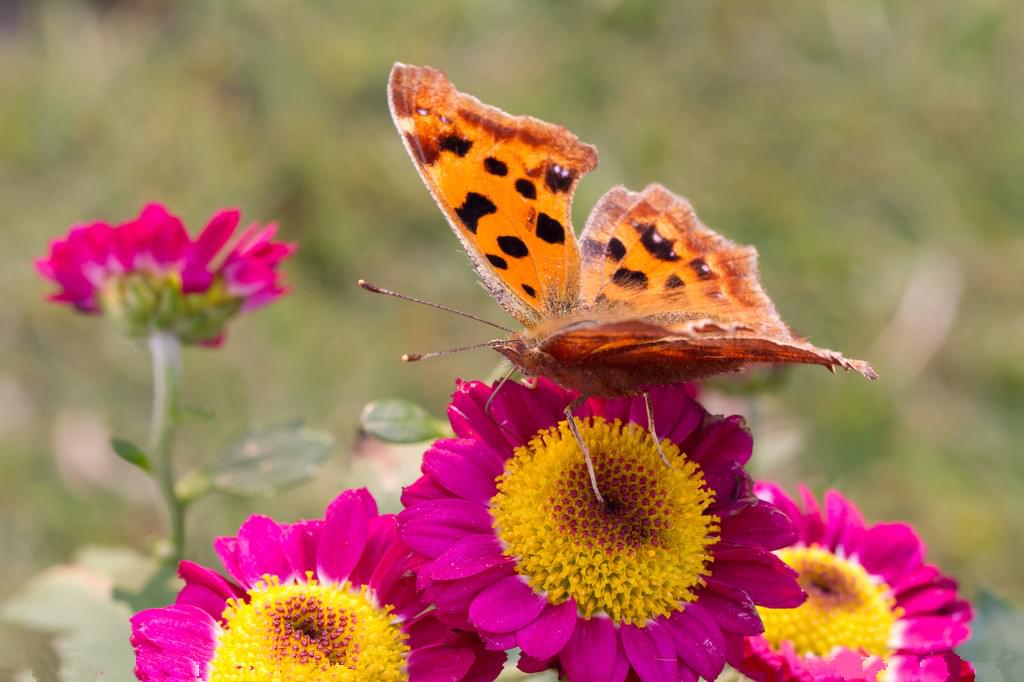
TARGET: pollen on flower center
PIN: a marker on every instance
(845, 607)
(640, 555)
(308, 630)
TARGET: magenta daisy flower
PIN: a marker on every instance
(148, 274)
(330, 599)
(875, 610)
(658, 583)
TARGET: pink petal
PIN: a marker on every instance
(651, 652)
(593, 653)
(762, 525)
(259, 551)
(498, 641)
(761, 574)
(469, 420)
(698, 640)
(774, 494)
(545, 636)
(432, 527)
(844, 524)
(928, 634)
(173, 643)
(213, 238)
(812, 526)
(381, 535)
(393, 565)
(530, 664)
(487, 667)
(469, 556)
(732, 608)
(466, 468)
(300, 542)
(344, 534)
(521, 411)
(424, 489)
(723, 443)
(452, 599)
(890, 550)
(206, 589)
(439, 664)
(928, 600)
(507, 605)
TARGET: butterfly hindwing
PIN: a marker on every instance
(505, 184)
(648, 259)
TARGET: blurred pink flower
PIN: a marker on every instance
(326, 599)
(875, 610)
(148, 274)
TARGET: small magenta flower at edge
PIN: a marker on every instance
(658, 583)
(148, 274)
(875, 609)
(330, 599)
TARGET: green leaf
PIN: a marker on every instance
(69, 613)
(996, 633)
(130, 452)
(394, 420)
(265, 461)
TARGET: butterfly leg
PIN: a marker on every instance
(583, 446)
(650, 427)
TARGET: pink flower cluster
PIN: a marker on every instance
(150, 274)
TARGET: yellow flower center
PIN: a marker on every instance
(639, 555)
(845, 607)
(308, 631)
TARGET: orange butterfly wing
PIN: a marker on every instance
(505, 184)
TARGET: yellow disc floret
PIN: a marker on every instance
(640, 554)
(303, 631)
(845, 607)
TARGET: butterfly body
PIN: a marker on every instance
(647, 296)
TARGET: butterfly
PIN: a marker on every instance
(647, 296)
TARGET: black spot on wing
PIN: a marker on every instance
(673, 282)
(497, 261)
(459, 146)
(558, 178)
(513, 246)
(495, 166)
(616, 249)
(530, 291)
(475, 207)
(625, 277)
(526, 188)
(701, 269)
(658, 246)
(549, 229)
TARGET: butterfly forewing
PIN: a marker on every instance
(505, 184)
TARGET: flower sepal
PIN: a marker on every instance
(139, 303)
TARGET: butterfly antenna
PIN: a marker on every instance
(387, 292)
(416, 357)
(494, 391)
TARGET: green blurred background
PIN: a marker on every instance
(872, 151)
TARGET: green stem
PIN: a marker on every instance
(165, 350)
